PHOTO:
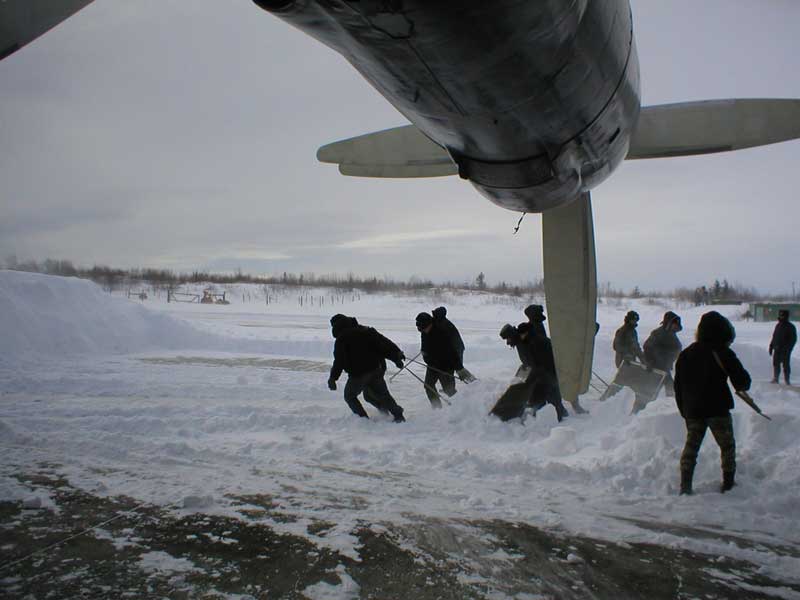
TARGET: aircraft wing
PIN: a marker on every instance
(22, 21)
(398, 152)
(710, 126)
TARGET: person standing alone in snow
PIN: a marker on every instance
(703, 397)
(783, 340)
(362, 352)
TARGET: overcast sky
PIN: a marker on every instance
(182, 134)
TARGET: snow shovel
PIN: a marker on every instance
(748, 399)
(512, 404)
(404, 366)
(438, 395)
(467, 379)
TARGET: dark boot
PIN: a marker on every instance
(686, 483)
(727, 481)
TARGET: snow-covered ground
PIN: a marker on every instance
(186, 405)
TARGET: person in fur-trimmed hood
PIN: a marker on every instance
(704, 398)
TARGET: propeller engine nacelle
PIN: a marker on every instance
(534, 102)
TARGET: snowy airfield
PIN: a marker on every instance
(192, 407)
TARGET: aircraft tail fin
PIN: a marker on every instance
(710, 126)
(398, 152)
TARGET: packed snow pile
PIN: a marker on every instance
(42, 315)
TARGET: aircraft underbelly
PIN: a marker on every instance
(516, 91)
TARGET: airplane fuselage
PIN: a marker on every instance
(534, 101)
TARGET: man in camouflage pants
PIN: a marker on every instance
(704, 398)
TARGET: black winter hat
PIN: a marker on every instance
(524, 328)
(715, 330)
(423, 320)
(439, 313)
(631, 316)
(670, 318)
(507, 331)
(535, 312)
(340, 323)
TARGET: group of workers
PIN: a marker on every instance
(660, 351)
(700, 386)
(362, 353)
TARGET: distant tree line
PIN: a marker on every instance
(112, 279)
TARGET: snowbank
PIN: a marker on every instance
(42, 315)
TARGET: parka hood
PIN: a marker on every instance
(340, 323)
(715, 330)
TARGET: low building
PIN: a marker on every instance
(768, 311)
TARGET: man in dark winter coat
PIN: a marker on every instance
(536, 319)
(535, 314)
(538, 367)
(783, 340)
(440, 320)
(662, 347)
(443, 352)
(626, 347)
(362, 352)
(704, 398)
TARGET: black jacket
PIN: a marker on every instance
(440, 318)
(784, 337)
(661, 348)
(442, 347)
(701, 384)
(359, 349)
(536, 352)
(626, 344)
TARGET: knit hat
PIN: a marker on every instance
(670, 318)
(507, 331)
(423, 320)
(535, 312)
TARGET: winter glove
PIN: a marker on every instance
(399, 362)
(332, 384)
(465, 375)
